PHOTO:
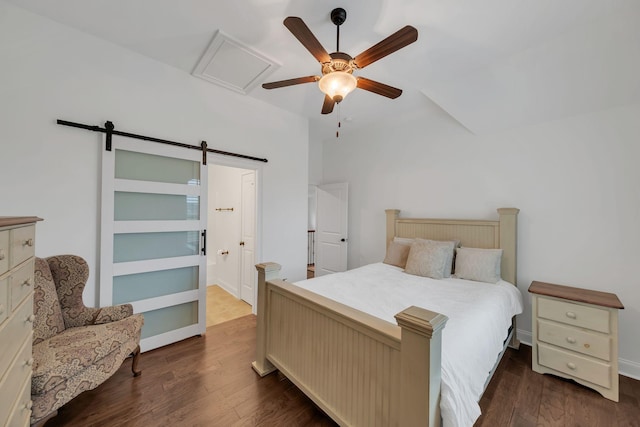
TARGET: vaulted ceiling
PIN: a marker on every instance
(491, 65)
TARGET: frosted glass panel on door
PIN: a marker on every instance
(150, 167)
(150, 207)
(169, 318)
(143, 246)
(140, 286)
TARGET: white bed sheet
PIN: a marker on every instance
(479, 317)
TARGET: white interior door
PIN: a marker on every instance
(331, 232)
(247, 243)
(154, 200)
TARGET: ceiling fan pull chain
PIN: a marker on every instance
(339, 124)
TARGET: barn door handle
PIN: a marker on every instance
(204, 242)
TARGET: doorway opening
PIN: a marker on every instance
(231, 242)
(327, 229)
(311, 232)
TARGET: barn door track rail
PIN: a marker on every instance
(109, 129)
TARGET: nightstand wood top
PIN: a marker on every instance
(17, 220)
(604, 299)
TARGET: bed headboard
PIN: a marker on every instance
(501, 233)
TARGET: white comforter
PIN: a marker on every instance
(479, 317)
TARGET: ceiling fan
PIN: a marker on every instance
(337, 79)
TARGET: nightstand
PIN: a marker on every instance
(575, 335)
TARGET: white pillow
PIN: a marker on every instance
(451, 246)
(481, 265)
(427, 260)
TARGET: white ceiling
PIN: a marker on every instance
(491, 64)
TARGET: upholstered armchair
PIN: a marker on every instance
(75, 348)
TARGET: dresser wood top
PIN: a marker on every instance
(17, 220)
(604, 299)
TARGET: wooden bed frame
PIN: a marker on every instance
(357, 368)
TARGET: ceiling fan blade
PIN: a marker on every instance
(379, 88)
(327, 106)
(300, 30)
(396, 41)
(290, 82)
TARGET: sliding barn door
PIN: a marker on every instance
(154, 200)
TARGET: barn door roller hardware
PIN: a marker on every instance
(109, 130)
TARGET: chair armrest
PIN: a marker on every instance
(113, 313)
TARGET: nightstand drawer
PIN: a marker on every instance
(21, 283)
(22, 409)
(12, 383)
(574, 365)
(580, 340)
(14, 332)
(4, 251)
(574, 314)
(23, 240)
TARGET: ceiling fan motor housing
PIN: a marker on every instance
(340, 61)
(338, 16)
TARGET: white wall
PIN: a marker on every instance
(316, 133)
(51, 72)
(575, 181)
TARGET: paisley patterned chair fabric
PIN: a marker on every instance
(75, 348)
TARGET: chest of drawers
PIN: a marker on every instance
(575, 335)
(17, 244)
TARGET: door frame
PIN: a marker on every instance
(241, 261)
(219, 160)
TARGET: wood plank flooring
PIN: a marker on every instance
(208, 381)
(517, 396)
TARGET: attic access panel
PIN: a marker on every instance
(233, 65)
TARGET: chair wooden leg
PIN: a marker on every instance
(134, 362)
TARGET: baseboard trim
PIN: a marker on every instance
(629, 368)
(524, 337)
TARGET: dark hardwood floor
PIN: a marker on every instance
(517, 396)
(208, 381)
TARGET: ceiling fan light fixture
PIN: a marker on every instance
(337, 85)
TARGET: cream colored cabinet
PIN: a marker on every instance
(17, 245)
(575, 335)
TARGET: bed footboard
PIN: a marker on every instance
(357, 368)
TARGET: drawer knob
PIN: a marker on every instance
(31, 318)
(571, 340)
(28, 242)
(29, 362)
(27, 282)
(571, 314)
(2, 255)
(571, 366)
(28, 405)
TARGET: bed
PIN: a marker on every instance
(354, 362)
